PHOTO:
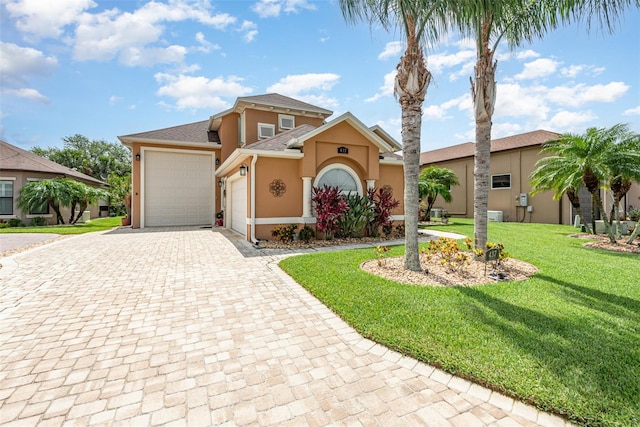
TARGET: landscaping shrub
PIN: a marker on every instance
(284, 232)
(38, 221)
(360, 213)
(15, 222)
(384, 204)
(634, 215)
(330, 206)
(307, 233)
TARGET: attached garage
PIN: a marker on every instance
(177, 188)
(239, 205)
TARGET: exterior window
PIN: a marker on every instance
(286, 122)
(500, 181)
(6, 197)
(266, 130)
(42, 209)
(339, 178)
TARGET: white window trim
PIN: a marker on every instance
(501, 188)
(12, 215)
(262, 126)
(282, 117)
(343, 167)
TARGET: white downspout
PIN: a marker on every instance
(253, 199)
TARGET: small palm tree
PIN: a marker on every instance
(55, 192)
(434, 182)
(85, 195)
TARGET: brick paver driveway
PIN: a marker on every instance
(189, 326)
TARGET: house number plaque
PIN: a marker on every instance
(343, 150)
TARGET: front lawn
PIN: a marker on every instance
(566, 340)
(100, 224)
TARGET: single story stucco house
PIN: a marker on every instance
(18, 167)
(256, 164)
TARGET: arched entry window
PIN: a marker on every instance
(341, 176)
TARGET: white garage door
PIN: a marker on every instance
(178, 189)
(239, 206)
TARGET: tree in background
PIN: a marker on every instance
(96, 158)
(120, 193)
(83, 195)
(434, 182)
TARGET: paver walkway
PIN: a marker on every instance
(188, 326)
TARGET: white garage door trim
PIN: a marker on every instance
(237, 204)
(197, 207)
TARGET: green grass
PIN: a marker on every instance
(100, 224)
(567, 340)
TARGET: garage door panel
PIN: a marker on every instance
(178, 189)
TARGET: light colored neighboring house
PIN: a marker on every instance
(256, 163)
(19, 167)
(513, 159)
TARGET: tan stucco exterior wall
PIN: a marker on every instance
(289, 204)
(228, 132)
(519, 164)
(253, 117)
(393, 175)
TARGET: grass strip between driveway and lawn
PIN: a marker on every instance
(567, 340)
(99, 224)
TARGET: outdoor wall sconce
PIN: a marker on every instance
(138, 157)
(220, 183)
(217, 162)
(243, 170)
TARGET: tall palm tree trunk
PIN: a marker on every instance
(572, 195)
(483, 90)
(411, 85)
(635, 233)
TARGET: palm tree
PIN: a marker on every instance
(55, 192)
(598, 157)
(624, 162)
(552, 173)
(487, 23)
(420, 21)
(434, 182)
(85, 195)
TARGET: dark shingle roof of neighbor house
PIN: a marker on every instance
(523, 140)
(17, 159)
(277, 100)
(279, 141)
(191, 132)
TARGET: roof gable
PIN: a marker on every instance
(197, 132)
(17, 159)
(349, 118)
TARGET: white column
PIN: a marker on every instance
(306, 196)
(371, 183)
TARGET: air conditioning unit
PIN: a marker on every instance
(494, 216)
(436, 213)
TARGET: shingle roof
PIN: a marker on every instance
(277, 100)
(17, 159)
(528, 139)
(279, 141)
(191, 132)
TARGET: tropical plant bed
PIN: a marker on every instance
(301, 244)
(603, 242)
(475, 273)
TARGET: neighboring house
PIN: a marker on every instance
(257, 163)
(18, 167)
(513, 158)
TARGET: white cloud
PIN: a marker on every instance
(439, 61)
(190, 92)
(27, 93)
(250, 29)
(391, 50)
(441, 112)
(539, 68)
(205, 45)
(580, 94)
(127, 35)
(526, 54)
(35, 18)
(570, 121)
(20, 62)
(273, 8)
(294, 85)
(573, 71)
(387, 88)
(632, 111)
(113, 100)
(502, 129)
(514, 100)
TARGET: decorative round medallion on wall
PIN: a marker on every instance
(277, 187)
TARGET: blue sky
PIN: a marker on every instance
(109, 68)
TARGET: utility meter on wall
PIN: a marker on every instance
(524, 199)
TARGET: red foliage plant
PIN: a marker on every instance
(384, 204)
(330, 205)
